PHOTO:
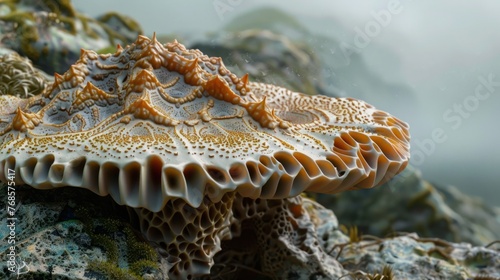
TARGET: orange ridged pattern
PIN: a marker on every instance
(158, 125)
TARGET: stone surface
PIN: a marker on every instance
(54, 236)
(51, 33)
(279, 239)
(269, 58)
(171, 132)
(411, 257)
(408, 203)
(327, 65)
(58, 236)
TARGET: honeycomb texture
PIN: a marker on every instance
(190, 236)
(155, 122)
(173, 134)
(280, 233)
(278, 238)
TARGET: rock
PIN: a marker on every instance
(335, 67)
(59, 236)
(283, 240)
(51, 33)
(269, 18)
(267, 57)
(410, 204)
(411, 257)
(71, 233)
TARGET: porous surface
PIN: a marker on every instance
(189, 236)
(60, 236)
(280, 239)
(154, 122)
(408, 203)
(174, 135)
(44, 246)
(410, 256)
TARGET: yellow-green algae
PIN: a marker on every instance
(140, 255)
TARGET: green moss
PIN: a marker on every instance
(60, 7)
(10, 3)
(127, 21)
(143, 266)
(102, 239)
(108, 244)
(138, 250)
(18, 17)
(141, 257)
(110, 225)
(69, 23)
(27, 30)
(111, 271)
(113, 35)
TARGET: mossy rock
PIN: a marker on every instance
(74, 234)
(65, 31)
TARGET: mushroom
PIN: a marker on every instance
(174, 135)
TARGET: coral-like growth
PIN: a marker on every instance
(154, 122)
(173, 134)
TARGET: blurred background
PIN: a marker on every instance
(435, 65)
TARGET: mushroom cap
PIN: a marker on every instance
(155, 122)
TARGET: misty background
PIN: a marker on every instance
(441, 53)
